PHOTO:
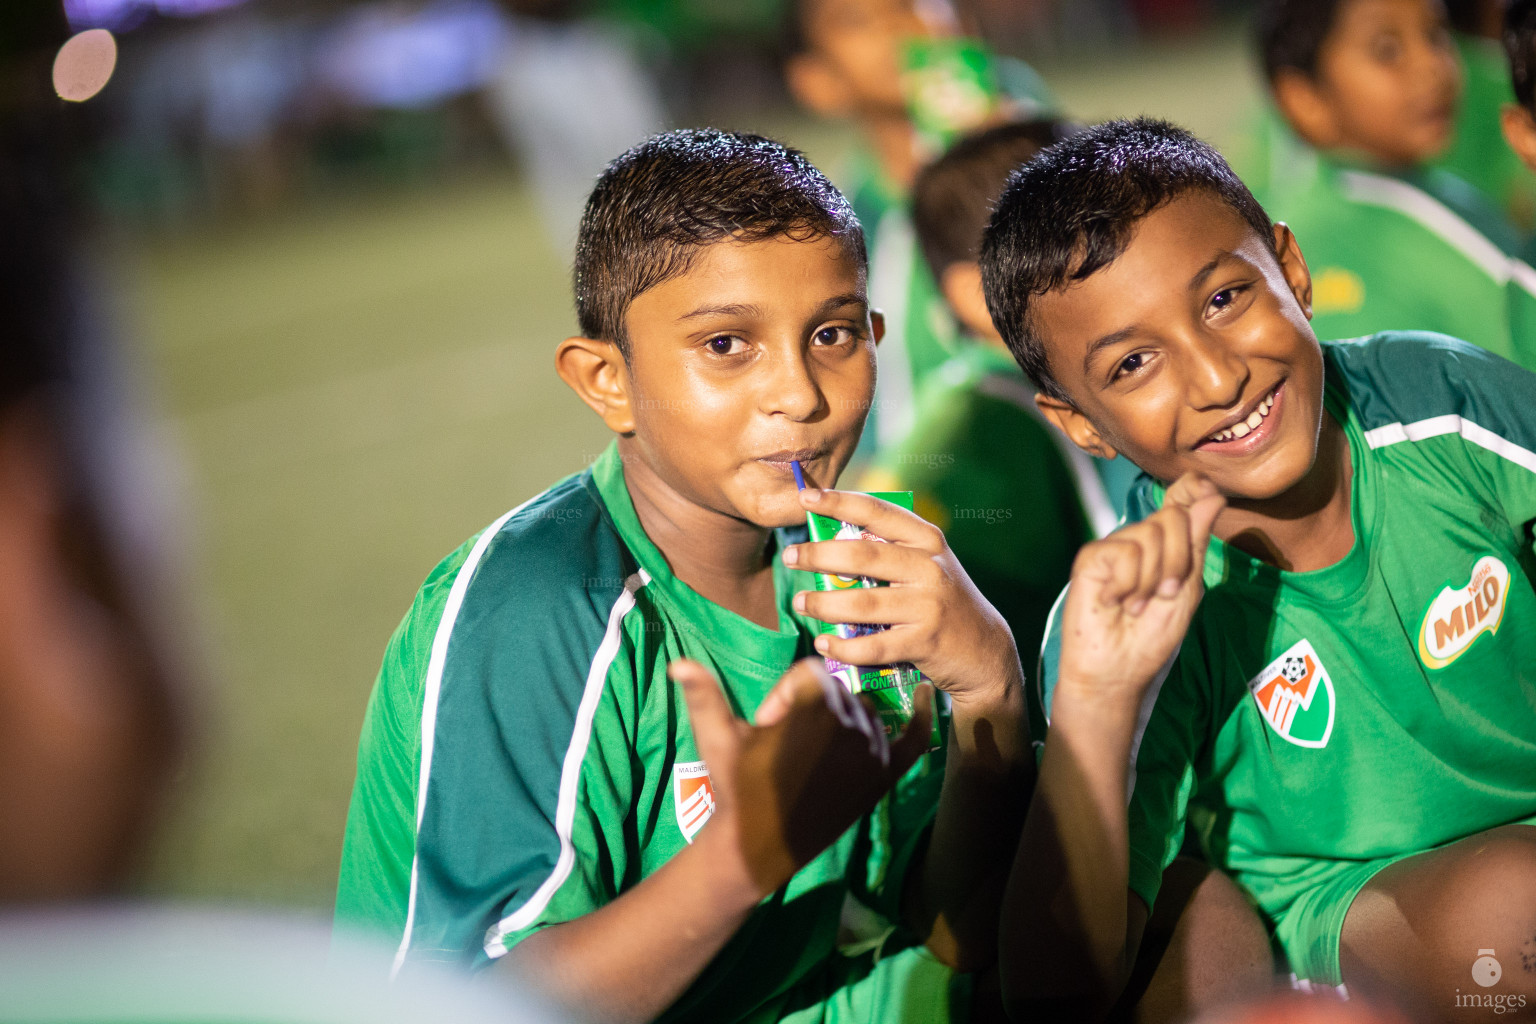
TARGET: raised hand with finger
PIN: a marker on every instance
(1132, 596)
(786, 787)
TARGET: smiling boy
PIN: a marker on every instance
(557, 774)
(1349, 721)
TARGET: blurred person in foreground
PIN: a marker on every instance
(90, 726)
(94, 666)
(905, 77)
(1371, 86)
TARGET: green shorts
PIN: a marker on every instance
(1308, 932)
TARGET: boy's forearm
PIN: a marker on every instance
(630, 960)
(988, 774)
(1068, 935)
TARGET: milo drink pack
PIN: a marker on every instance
(888, 688)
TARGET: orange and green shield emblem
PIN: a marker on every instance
(1295, 696)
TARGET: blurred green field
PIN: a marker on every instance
(357, 389)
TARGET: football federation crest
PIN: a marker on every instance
(1458, 617)
(1295, 696)
(693, 797)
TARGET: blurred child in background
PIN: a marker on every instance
(1517, 119)
(1371, 86)
(901, 72)
(1478, 155)
(1014, 497)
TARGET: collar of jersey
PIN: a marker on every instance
(1345, 580)
(768, 650)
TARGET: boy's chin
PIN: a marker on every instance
(778, 513)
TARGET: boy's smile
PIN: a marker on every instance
(760, 354)
(1192, 351)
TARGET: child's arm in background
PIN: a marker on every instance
(943, 625)
(632, 958)
(1071, 925)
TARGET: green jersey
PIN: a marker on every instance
(1383, 705)
(525, 758)
(1014, 497)
(1417, 251)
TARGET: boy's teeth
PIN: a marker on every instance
(1249, 425)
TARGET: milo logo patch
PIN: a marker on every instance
(1457, 617)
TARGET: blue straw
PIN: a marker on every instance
(799, 474)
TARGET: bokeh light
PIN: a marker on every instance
(84, 64)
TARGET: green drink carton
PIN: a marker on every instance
(951, 88)
(889, 688)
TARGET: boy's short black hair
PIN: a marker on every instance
(953, 196)
(1520, 48)
(1291, 32)
(655, 207)
(1070, 212)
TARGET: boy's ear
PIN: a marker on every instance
(1520, 132)
(1306, 109)
(816, 85)
(596, 371)
(961, 285)
(876, 325)
(1294, 266)
(1079, 430)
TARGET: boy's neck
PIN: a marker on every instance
(724, 559)
(1308, 527)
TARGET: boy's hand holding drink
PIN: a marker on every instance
(938, 621)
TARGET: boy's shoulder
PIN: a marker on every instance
(1400, 384)
(544, 577)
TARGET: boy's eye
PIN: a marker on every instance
(1386, 47)
(1225, 298)
(726, 345)
(832, 335)
(1131, 363)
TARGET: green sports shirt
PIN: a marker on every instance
(1418, 251)
(1383, 705)
(525, 758)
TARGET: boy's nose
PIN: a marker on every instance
(1216, 375)
(791, 389)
